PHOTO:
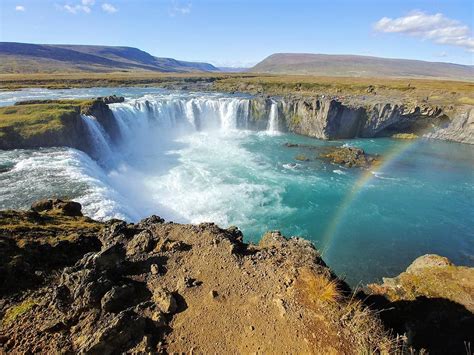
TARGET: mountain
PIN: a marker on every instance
(359, 66)
(47, 58)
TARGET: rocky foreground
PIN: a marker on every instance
(71, 284)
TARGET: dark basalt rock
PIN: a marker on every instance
(348, 157)
(67, 208)
(117, 298)
(50, 236)
(113, 99)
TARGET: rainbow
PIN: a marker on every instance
(358, 188)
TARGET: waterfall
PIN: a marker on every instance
(99, 138)
(272, 127)
(152, 123)
(183, 113)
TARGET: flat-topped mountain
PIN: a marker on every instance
(46, 58)
(360, 66)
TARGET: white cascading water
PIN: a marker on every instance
(172, 159)
(272, 127)
(99, 138)
(192, 113)
(149, 122)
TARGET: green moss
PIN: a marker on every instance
(296, 119)
(13, 312)
(62, 227)
(405, 136)
(35, 117)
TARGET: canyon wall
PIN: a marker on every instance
(327, 118)
(318, 117)
(459, 129)
(70, 133)
(55, 123)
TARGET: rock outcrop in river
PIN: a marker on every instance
(70, 284)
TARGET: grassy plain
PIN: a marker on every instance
(34, 118)
(398, 90)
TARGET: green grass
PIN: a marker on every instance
(296, 119)
(32, 119)
(433, 92)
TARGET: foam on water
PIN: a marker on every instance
(60, 173)
(190, 158)
(205, 187)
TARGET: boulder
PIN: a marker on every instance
(151, 311)
(67, 208)
(42, 205)
(150, 221)
(428, 261)
(141, 243)
(111, 335)
(109, 258)
(86, 287)
(115, 231)
(117, 298)
(165, 300)
(112, 99)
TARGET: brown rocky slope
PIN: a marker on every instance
(165, 287)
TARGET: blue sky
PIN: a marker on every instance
(243, 32)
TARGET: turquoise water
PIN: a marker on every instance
(368, 223)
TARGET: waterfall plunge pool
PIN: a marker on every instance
(189, 158)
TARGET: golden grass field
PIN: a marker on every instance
(406, 90)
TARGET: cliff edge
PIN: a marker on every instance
(55, 123)
(70, 284)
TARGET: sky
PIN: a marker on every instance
(243, 32)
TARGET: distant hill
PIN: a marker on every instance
(233, 69)
(359, 66)
(46, 58)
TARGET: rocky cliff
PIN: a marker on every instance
(459, 129)
(71, 284)
(54, 123)
(330, 118)
(432, 302)
(168, 288)
(53, 129)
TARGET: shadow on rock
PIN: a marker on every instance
(438, 325)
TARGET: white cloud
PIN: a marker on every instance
(438, 28)
(20, 8)
(109, 8)
(180, 9)
(88, 2)
(74, 9)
